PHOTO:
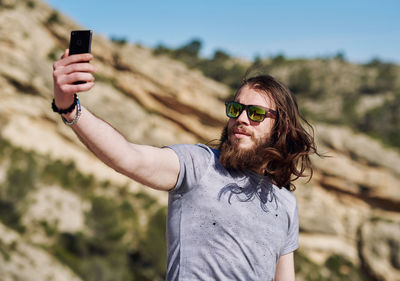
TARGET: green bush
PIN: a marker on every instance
(119, 40)
(21, 176)
(151, 255)
(220, 67)
(145, 200)
(106, 79)
(340, 56)
(161, 49)
(190, 50)
(220, 56)
(31, 4)
(7, 4)
(343, 270)
(102, 254)
(385, 79)
(114, 242)
(67, 174)
(279, 59)
(306, 268)
(349, 114)
(300, 81)
(10, 216)
(105, 222)
(336, 268)
(55, 54)
(54, 18)
(383, 122)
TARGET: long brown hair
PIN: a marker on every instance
(286, 155)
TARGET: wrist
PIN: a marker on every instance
(63, 101)
(71, 114)
(67, 118)
(65, 109)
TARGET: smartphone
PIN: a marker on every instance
(80, 43)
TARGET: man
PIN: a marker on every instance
(231, 215)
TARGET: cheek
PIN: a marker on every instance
(231, 123)
(265, 130)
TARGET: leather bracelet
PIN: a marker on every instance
(67, 110)
(78, 114)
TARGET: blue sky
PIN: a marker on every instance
(361, 29)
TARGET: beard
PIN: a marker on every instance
(234, 157)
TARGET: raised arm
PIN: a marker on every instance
(285, 268)
(155, 167)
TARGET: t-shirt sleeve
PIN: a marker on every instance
(292, 238)
(194, 162)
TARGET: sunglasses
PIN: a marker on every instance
(254, 112)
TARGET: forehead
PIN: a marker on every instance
(247, 95)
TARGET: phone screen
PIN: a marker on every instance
(80, 42)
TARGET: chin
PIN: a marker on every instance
(246, 146)
(243, 144)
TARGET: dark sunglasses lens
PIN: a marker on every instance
(256, 113)
(233, 109)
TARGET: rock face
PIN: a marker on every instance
(352, 205)
(350, 208)
(20, 260)
(380, 248)
(56, 208)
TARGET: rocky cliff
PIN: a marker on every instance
(349, 212)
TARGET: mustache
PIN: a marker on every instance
(240, 128)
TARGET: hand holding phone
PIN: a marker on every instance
(80, 43)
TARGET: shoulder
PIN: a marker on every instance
(195, 162)
(287, 198)
(198, 151)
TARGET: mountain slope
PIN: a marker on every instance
(349, 212)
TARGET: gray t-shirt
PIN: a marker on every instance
(224, 224)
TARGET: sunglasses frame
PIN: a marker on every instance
(270, 113)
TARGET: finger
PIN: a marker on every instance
(73, 59)
(77, 76)
(66, 52)
(61, 81)
(78, 88)
(73, 73)
(80, 58)
(78, 67)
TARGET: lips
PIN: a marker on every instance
(240, 132)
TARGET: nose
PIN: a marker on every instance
(242, 118)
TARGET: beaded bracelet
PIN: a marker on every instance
(67, 110)
(78, 114)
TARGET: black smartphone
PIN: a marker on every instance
(80, 43)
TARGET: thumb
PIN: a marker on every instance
(66, 53)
